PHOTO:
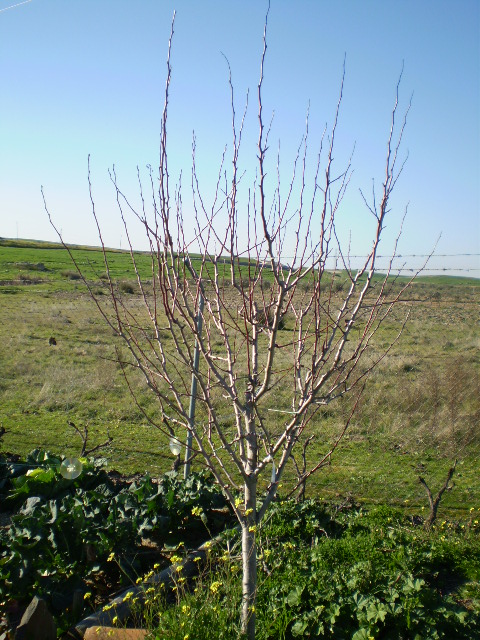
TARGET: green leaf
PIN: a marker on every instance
(361, 634)
(294, 597)
(53, 510)
(376, 611)
(360, 600)
(30, 505)
(299, 627)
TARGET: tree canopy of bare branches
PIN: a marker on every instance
(277, 341)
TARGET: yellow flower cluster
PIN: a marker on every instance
(215, 586)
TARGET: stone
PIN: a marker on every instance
(37, 622)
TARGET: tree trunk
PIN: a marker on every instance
(249, 560)
(249, 524)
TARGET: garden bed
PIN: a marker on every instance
(94, 534)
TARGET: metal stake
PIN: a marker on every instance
(193, 392)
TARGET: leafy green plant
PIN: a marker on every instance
(351, 573)
(64, 531)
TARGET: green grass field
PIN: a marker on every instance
(419, 412)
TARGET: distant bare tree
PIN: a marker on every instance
(434, 503)
(84, 433)
(259, 385)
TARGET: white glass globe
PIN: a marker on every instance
(175, 446)
(71, 468)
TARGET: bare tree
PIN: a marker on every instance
(434, 503)
(277, 342)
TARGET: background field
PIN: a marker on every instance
(419, 412)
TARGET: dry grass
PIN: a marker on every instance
(422, 404)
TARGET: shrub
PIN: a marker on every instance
(126, 287)
(71, 275)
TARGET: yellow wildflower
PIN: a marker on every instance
(215, 586)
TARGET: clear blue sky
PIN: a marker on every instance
(87, 76)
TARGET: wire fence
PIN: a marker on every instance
(420, 411)
(469, 263)
(415, 426)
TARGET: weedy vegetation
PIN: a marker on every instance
(336, 571)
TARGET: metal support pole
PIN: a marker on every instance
(193, 392)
